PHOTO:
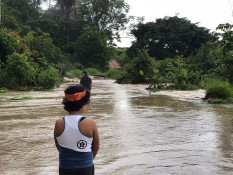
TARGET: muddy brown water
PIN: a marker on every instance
(140, 133)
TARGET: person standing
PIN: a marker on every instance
(86, 81)
(76, 137)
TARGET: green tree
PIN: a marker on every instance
(226, 36)
(174, 73)
(19, 71)
(17, 14)
(49, 77)
(8, 20)
(225, 62)
(8, 43)
(108, 16)
(169, 37)
(139, 70)
(66, 8)
(205, 59)
(42, 47)
(23, 10)
(67, 20)
(91, 49)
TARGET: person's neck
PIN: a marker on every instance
(79, 112)
(76, 113)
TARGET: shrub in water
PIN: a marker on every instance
(19, 71)
(74, 73)
(78, 66)
(112, 73)
(216, 88)
(139, 70)
(92, 71)
(49, 78)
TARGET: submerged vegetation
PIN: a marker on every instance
(218, 91)
(21, 98)
(3, 90)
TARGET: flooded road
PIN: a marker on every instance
(140, 133)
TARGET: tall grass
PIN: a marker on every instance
(3, 90)
(92, 71)
(78, 72)
(112, 73)
(74, 73)
(217, 88)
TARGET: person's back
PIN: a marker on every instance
(75, 152)
(86, 81)
(76, 137)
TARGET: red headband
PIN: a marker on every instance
(75, 97)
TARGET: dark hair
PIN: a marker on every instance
(84, 72)
(76, 105)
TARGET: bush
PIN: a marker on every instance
(42, 46)
(112, 73)
(92, 71)
(92, 50)
(120, 55)
(78, 72)
(175, 72)
(3, 90)
(217, 88)
(49, 78)
(8, 44)
(78, 66)
(19, 72)
(138, 70)
(74, 73)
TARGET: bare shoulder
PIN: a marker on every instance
(88, 127)
(59, 126)
(90, 122)
(59, 122)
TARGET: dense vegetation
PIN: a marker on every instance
(40, 47)
(178, 61)
(169, 37)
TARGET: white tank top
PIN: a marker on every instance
(72, 137)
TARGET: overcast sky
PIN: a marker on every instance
(209, 13)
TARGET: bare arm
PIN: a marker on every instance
(95, 143)
(89, 128)
(58, 130)
(56, 143)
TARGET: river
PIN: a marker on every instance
(141, 133)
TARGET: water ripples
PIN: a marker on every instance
(140, 132)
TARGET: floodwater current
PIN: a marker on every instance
(141, 133)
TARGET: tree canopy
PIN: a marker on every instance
(49, 42)
(109, 16)
(41, 46)
(168, 37)
(90, 48)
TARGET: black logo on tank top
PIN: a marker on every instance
(82, 144)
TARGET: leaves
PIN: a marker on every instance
(138, 70)
(91, 49)
(169, 37)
